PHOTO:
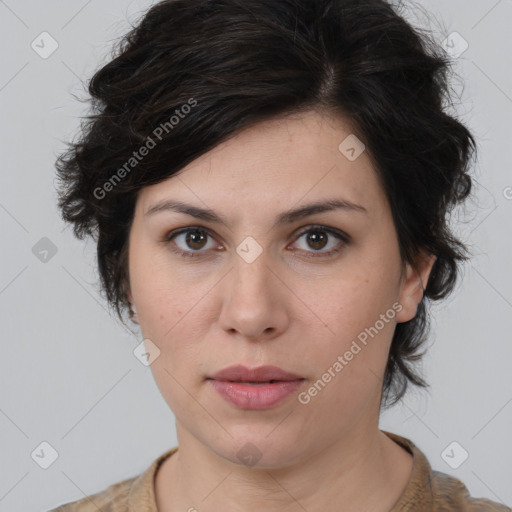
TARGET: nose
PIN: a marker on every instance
(254, 300)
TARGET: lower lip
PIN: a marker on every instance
(255, 396)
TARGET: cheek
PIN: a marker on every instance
(157, 292)
(172, 313)
(350, 302)
(348, 373)
(358, 319)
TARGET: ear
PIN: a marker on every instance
(413, 285)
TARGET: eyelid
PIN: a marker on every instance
(337, 233)
(321, 227)
(168, 237)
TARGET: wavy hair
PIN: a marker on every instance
(246, 61)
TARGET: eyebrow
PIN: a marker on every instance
(287, 217)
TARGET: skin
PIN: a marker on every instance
(285, 309)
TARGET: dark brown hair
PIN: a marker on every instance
(193, 73)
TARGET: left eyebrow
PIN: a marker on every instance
(287, 217)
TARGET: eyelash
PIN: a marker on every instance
(340, 235)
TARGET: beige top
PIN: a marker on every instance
(427, 491)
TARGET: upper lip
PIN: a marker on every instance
(239, 373)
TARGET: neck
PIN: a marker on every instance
(196, 478)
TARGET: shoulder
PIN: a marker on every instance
(451, 495)
(129, 495)
(429, 490)
(114, 498)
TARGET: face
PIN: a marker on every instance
(318, 295)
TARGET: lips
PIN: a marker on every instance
(262, 374)
(257, 388)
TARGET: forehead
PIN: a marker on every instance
(275, 164)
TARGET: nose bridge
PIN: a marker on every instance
(249, 303)
(251, 272)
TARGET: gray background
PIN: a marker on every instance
(68, 373)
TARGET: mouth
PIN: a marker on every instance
(255, 376)
(255, 389)
(255, 395)
(256, 383)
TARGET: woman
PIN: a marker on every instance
(269, 184)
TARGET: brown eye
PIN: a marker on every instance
(319, 237)
(191, 242)
(195, 239)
